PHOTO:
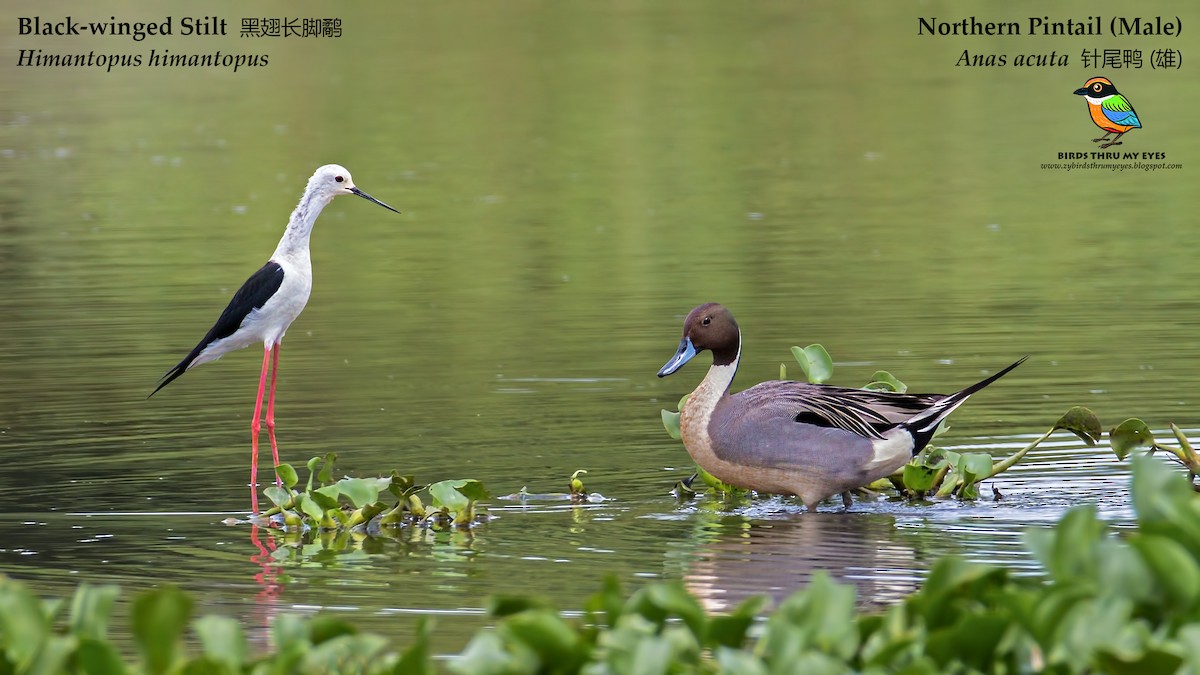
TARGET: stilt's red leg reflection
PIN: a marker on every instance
(268, 594)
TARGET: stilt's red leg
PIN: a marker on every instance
(271, 410)
(255, 427)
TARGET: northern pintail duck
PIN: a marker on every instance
(809, 440)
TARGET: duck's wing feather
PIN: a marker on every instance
(859, 411)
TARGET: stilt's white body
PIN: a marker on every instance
(270, 300)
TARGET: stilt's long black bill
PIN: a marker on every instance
(369, 198)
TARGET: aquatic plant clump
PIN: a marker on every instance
(1103, 604)
(349, 503)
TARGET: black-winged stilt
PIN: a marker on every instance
(269, 301)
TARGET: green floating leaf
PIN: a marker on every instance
(1173, 565)
(1129, 436)
(325, 475)
(312, 472)
(98, 657)
(417, 658)
(919, 478)
(815, 362)
(52, 658)
(23, 626)
(222, 640)
(323, 628)
(576, 483)
(457, 495)
(976, 465)
(310, 508)
(360, 491)
(882, 380)
(730, 630)
(91, 607)
(659, 602)
(670, 422)
(506, 605)
(278, 496)
(1189, 453)
(326, 497)
(718, 484)
(1083, 423)
(402, 486)
(287, 474)
(158, 620)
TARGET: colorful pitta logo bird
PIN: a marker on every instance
(1109, 110)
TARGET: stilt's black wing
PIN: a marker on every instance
(253, 294)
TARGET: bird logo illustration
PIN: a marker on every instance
(1109, 110)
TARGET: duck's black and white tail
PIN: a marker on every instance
(924, 424)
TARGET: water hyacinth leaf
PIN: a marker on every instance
(289, 635)
(344, 654)
(717, 484)
(222, 640)
(815, 362)
(1083, 423)
(670, 422)
(487, 653)
(473, 489)
(324, 627)
(942, 457)
(287, 474)
(1189, 454)
(882, 380)
(53, 656)
(325, 475)
(976, 465)
(1129, 436)
(312, 472)
(457, 494)
(91, 607)
(310, 507)
(417, 658)
(730, 630)
(659, 602)
(278, 496)
(98, 657)
(738, 661)
(326, 497)
(401, 486)
(23, 626)
(506, 605)
(292, 520)
(576, 483)
(919, 478)
(159, 617)
(360, 491)
(1173, 565)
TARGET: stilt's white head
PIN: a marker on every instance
(332, 180)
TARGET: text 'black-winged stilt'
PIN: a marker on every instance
(269, 301)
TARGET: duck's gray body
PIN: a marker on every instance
(808, 440)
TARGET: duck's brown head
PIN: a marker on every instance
(709, 326)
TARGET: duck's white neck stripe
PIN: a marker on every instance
(719, 378)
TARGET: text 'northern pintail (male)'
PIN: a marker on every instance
(809, 440)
